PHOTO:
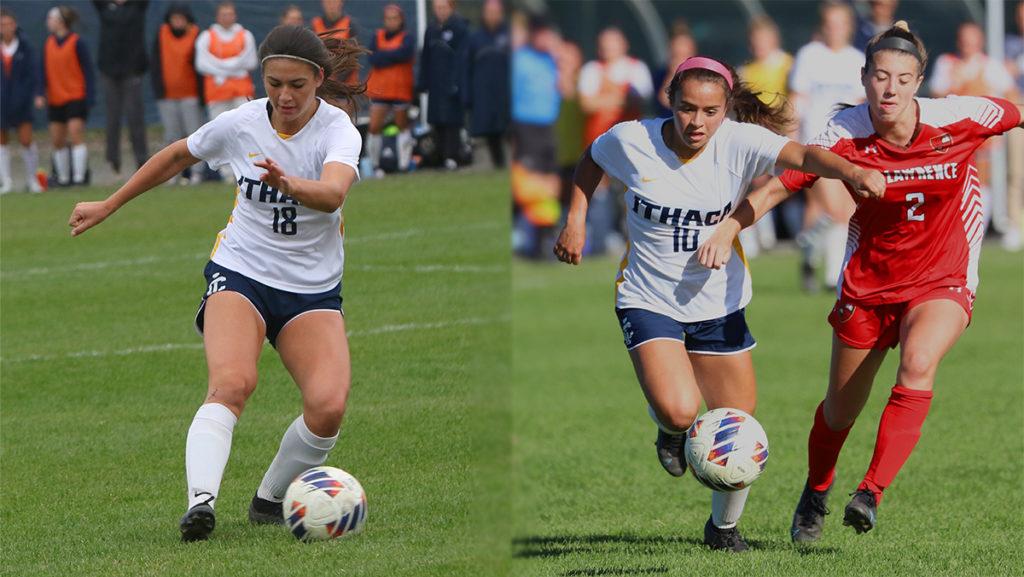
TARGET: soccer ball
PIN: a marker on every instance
(324, 503)
(726, 449)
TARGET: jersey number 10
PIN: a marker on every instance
(685, 239)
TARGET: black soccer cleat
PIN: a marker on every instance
(670, 452)
(198, 523)
(809, 517)
(724, 539)
(264, 512)
(860, 511)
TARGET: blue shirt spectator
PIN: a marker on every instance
(535, 97)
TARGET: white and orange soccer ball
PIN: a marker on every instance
(324, 503)
(726, 449)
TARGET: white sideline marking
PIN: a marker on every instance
(383, 329)
(146, 260)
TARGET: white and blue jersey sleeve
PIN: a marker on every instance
(214, 141)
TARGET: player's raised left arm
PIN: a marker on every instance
(326, 194)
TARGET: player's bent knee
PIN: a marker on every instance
(324, 414)
(680, 418)
(231, 387)
(917, 366)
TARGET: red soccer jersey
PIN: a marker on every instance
(926, 231)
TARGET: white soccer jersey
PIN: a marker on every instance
(673, 207)
(825, 78)
(270, 237)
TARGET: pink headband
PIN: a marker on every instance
(705, 63)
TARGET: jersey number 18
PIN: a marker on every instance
(284, 221)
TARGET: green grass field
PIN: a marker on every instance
(102, 372)
(591, 499)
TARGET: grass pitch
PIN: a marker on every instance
(591, 499)
(102, 372)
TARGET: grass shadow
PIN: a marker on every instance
(616, 571)
(559, 545)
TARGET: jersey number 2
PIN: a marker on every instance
(918, 199)
(284, 221)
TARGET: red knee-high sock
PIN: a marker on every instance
(823, 446)
(898, 432)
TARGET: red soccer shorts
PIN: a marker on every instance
(878, 326)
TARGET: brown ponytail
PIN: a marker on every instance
(337, 58)
(741, 100)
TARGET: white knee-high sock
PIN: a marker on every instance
(300, 449)
(62, 162)
(79, 163)
(726, 508)
(207, 450)
(657, 421)
(405, 145)
(835, 252)
(6, 182)
(30, 156)
(374, 142)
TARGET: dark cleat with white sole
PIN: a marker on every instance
(861, 511)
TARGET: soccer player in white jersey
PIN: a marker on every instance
(684, 324)
(275, 269)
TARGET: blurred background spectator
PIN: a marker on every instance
(292, 16)
(826, 72)
(970, 72)
(226, 57)
(612, 89)
(70, 93)
(767, 74)
(175, 80)
(535, 108)
(879, 17)
(569, 126)
(681, 46)
(20, 87)
(123, 63)
(390, 86)
(486, 93)
(441, 62)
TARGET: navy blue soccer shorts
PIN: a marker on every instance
(726, 335)
(276, 307)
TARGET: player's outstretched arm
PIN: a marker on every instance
(326, 194)
(569, 247)
(158, 169)
(827, 164)
(715, 251)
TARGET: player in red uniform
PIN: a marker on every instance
(911, 262)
